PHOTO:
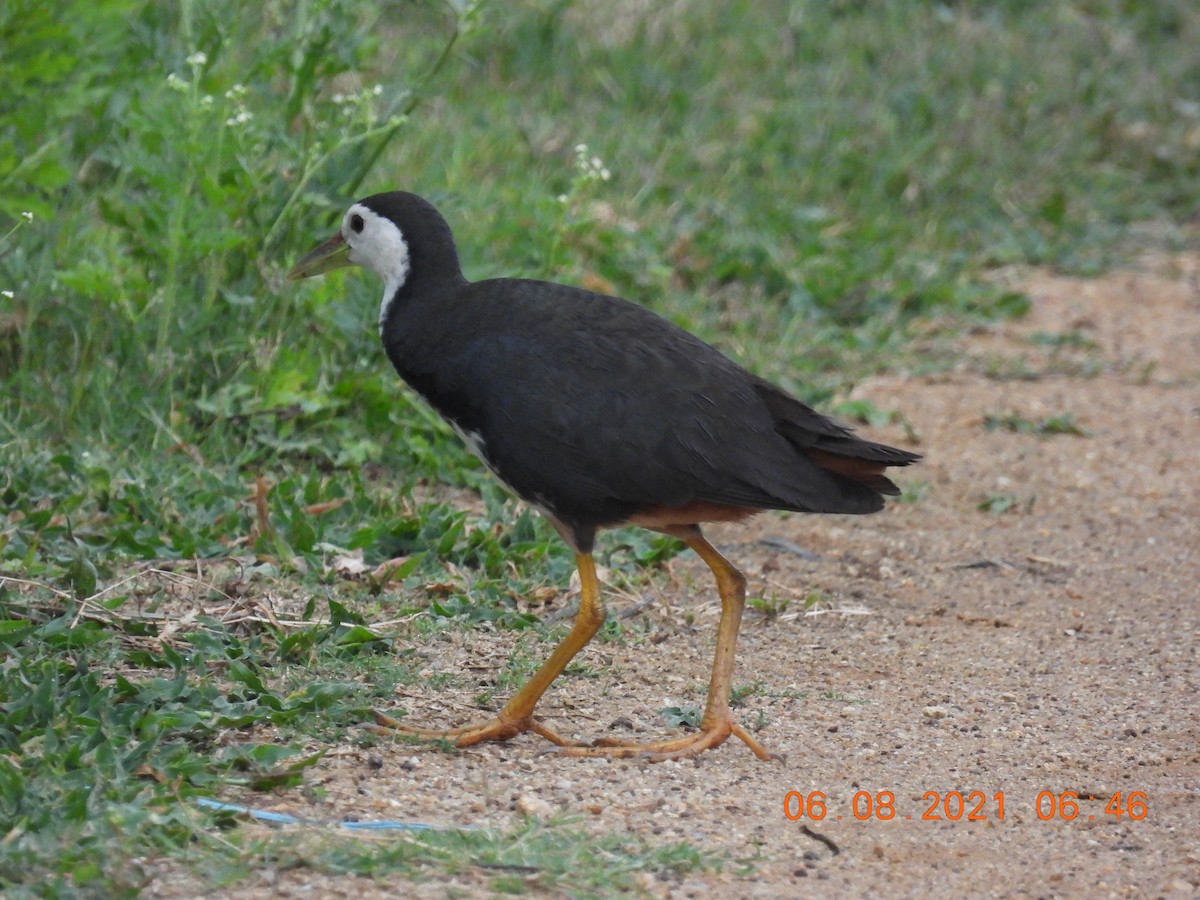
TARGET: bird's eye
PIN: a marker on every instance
(356, 223)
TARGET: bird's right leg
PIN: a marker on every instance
(516, 716)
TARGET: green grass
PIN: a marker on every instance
(1004, 502)
(1050, 426)
(532, 859)
(798, 182)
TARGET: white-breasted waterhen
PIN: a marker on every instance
(599, 413)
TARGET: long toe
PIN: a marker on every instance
(710, 735)
(495, 729)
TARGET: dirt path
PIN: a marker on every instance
(1049, 647)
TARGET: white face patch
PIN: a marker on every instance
(377, 244)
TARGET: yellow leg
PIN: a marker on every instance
(717, 723)
(517, 715)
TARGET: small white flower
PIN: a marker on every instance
(175, 83)
(236, 92)
(563, 198)
(590, 167)
(377, 90)
(207, 101)
(7, 295)
(197, 59)
(240, 118)
(27, 216)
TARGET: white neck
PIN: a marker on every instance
(379, 246)
(391, 286)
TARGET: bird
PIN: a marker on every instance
(599, 413)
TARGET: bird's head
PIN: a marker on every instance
(387, 233)
(366, 239)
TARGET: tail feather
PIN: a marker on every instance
(866, 472)
(833, 446)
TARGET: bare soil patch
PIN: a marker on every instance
(1049, 647)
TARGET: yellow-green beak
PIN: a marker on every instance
(325, 257)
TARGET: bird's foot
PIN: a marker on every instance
(711, 734)
(500, 728)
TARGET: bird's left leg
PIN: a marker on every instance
(517, 714)
(717, 723)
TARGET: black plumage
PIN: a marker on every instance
(595, 408)
(600, 413)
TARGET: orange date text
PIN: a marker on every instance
(957, 806)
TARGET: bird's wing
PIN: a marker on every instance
(587, 403)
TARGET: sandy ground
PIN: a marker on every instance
(1048, 648)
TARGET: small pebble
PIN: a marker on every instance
(534, 807)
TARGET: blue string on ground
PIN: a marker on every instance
(275, 818)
